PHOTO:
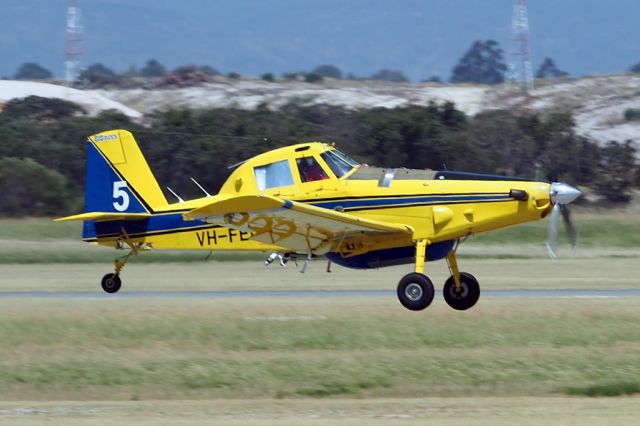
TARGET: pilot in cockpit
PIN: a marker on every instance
(310, 170)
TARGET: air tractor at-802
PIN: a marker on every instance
(310, 199)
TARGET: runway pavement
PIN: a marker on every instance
(256, 294)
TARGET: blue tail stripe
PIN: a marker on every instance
(152, 224)
(105, 190)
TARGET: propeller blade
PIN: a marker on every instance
(553, 232)
(572, 231)
(561, 194)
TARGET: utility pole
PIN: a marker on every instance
(74, 43)
(520, 71)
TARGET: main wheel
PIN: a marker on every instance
(415, 291)
(111, 283)
(466, 296)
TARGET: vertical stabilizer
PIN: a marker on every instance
(119, 179)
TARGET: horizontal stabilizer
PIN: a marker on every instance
(103, 216)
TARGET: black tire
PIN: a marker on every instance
(111, 283)
(467, 297)
(415, 291)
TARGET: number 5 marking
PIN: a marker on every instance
(119, 192)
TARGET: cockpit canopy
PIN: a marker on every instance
(289, 166)
(307, 169)
(311, 162)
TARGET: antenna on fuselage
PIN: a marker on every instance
(200, 186)
(233, 166)
(180, 200)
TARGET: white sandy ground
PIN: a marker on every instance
(249, 94)
(480, 411)
(598, 103)
(92, 102)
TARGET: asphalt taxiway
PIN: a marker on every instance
(256, 294)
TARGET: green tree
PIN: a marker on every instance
(291, 76)
(433, 79)
(329, 71)
(413, 137)
(98, 75)
(268, 77)
(313, 78)
(617, 172)
(482, 63)
(508, 150)
(153, 68)
(548, 69)
(208, 70)
(30, 189)
(389, 75)
(557, 147)
(32, 71)
(39, 108)
(632, 114)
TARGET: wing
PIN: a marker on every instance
(297, 226)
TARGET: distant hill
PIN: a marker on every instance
(419, 38)
(597, 103)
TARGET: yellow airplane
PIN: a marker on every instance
(311, 199)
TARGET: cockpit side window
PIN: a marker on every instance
(273, 175)
(310, 169)
(339, 165)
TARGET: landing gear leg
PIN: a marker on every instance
(111, 282)
(415, 290)
(461, 291)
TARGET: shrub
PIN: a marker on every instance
(632, 114)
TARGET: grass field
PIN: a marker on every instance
(318, 361)
(74, 349)
(45, 241)
(236, 362)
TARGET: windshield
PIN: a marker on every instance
(345, 157)
(338, 162)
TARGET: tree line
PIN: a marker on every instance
(483, 62)
(42, 154)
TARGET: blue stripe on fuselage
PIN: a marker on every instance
(407, 201)
(174, 222)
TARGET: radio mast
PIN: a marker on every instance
(74, 43)
(520, 72)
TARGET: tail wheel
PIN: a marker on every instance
(415, 291)
(111, 283)
(466, 296)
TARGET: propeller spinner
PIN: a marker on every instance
(561, 195)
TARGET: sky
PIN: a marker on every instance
(420, 38)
